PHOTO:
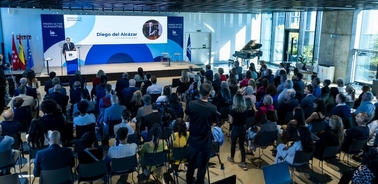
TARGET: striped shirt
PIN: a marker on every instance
(122, 150)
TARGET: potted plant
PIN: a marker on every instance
(303, 59)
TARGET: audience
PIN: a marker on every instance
(154, 88)
(91, 104)
(350, 94)
(78, 78)
(135, 103)
(288, 85)
(112, 113)
(140, 77)
(75, 92)
(127, 123)
(9, 126)
(340, 85)
(341, 109)
(180, 136)
(144, 110)
(357, 103)
(100, 89)
(191, 72)
(176, 105)
(216, 83)
(129, 91)
(146, 84)
(360, 132)
(52, 118)
(367, 105)
(233, 84)
(29, 90)
(244, 82)
(59, 98)
(269, 126)
(267, 105)
(96, 81)
(308, 101)
(299, 85)
(91, 153)
(248, 93)
(325, 89)
(164, 99)
(28, 100)
(315, 83)
(56, 81)
(49, 84)
(83, 118)
(148, 121)
(121, 84)
(209, 73)
(222, 77)
(37, 135)
(290, 132)
(261, 90)
(184, 83)
(6, 143)
(286, 105)
(319, 114)
(21, 113)
(252, 68)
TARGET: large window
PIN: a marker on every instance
(309, 34)
(266, 35)
(366, 47)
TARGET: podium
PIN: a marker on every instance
(72, 62)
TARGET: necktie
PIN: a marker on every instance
(68, 46)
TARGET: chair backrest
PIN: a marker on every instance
(302, 158)
(125, 164)
(181, 153)
(175, 82)
(288, 117)
(33, 152)
(153, 159)
(154, 97)
(16, 144)
(224, 111)
(6, 160)
(133, 138)
(331, 151)
(350, 104)
(227, 180)
(81, 130)
(268, 138)
(308, 112)
(277, 173)
(79, 146)
(357, 145)
(10, 178)
(138, 84)
(111, 126)
(318, 126)
(249, 122)
(95, 170)
(62, 175)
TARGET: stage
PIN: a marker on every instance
(114, 71)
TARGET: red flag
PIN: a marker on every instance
(15, 59)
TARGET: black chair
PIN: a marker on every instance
(124, 165)
(10, 178)
(25, 119)
(81, 130)
(348, 122)
(288, 117)
(138, 84)
(62, 175)
(301, 160)
(227, 180)
(355, 147)
(350, 104)
(32, 154)
(308, 112)
(266, 138)
(329, 108)
(17, 145)
(152, 159)
(277, 173)
(175, 82)
(317, 127)
(154, 97)
(111, 124)
(133, 138)
(6, 160)
(329, 154)
(92, 171)
(249, 122)
(181, 155)
(126, 100)
(224, 111)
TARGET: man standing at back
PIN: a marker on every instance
(53, 157)
(201, 114)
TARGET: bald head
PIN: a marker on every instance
(54, 137)
(8, 115)
(23, 81)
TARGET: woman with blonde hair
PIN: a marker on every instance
(237, 117)
(351, 94)
(184, 83)
(135, 103)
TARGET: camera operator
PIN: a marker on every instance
(201, 114)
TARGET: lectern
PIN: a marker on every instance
(71, 62)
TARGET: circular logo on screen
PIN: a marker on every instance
(152, 29)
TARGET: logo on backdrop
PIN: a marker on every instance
(174, 33)
(73, 19)
(52, 33)
(152, 29)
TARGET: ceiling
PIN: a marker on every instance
(211, 6)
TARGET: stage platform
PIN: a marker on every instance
(114, 71)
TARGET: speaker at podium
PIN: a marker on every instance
(71, 62)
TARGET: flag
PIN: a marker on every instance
(15, 60)
(21, 55)
(30, 62)
(188, 49)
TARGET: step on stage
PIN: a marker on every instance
(114, 71)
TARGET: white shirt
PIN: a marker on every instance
(123, 124)
(84, 120)
(373, 129)
(154, 89)
(28, 100)
(122, 150)
(288, 155)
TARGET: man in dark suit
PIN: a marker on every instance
(68, 46)
(308, 101)
(75, 93)
(53, 157)
(60, 99)
(152, 31)
(209, 73)
(122, 84)
(29, 91)
(299, 85)
(49, 84)
(81, 79)
(287, 104)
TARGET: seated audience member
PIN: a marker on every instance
(37, 135)
(91, 104)
(146, 84)
(91, 153)
(251, 108)
(233, 84)
(19, 111)
(248, 93)
(238, 70)
(295, 74)
(176, 105)
(288, 85)
(308, 101)
(263, 71)
(340, 85)
(100, 88)
(299, 85)
(261, 90)
(145, 109)
(29, 90)
(121, 84)
(331, 100)
(319, 114)
(28, 100)
(128, 92)
(209, 73)
(359, 132)
(237, 118)
(180, 136)
(268, 105)
(270, 76)
(127, 123)
(252, 68)
(148, 120)
(53, 157)
(112, 113)
(84, 118)
(49, 84)
(75, 93)
(156, 145)
(96, 81)
(193, 91)
(56, 81)
(315, 84)
(341, 109)
(10, 127)
(78, 78)
(221, 74)
(140, 77)
(244, 82)
(367, 105)
(135, 103)
(6, 143)
(277, 80)
(184, 83)
(164, 99)
(191, 73)
(154, 88)
(350, 94)
(373, 130)
(286, 105)
(357, 103)
(216, 83)
(226, 98)
(52, 120)
(290, 132)
(269, 126)
(272, 91)
(325, 89)
(59, 98)
(332, 136)
(252, 83)
(281, 85)
(303, 143)
(280, 68)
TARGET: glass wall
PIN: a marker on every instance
(309, 22)
(266, 35)
(366, 47)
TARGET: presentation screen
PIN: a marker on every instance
(99, 29)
